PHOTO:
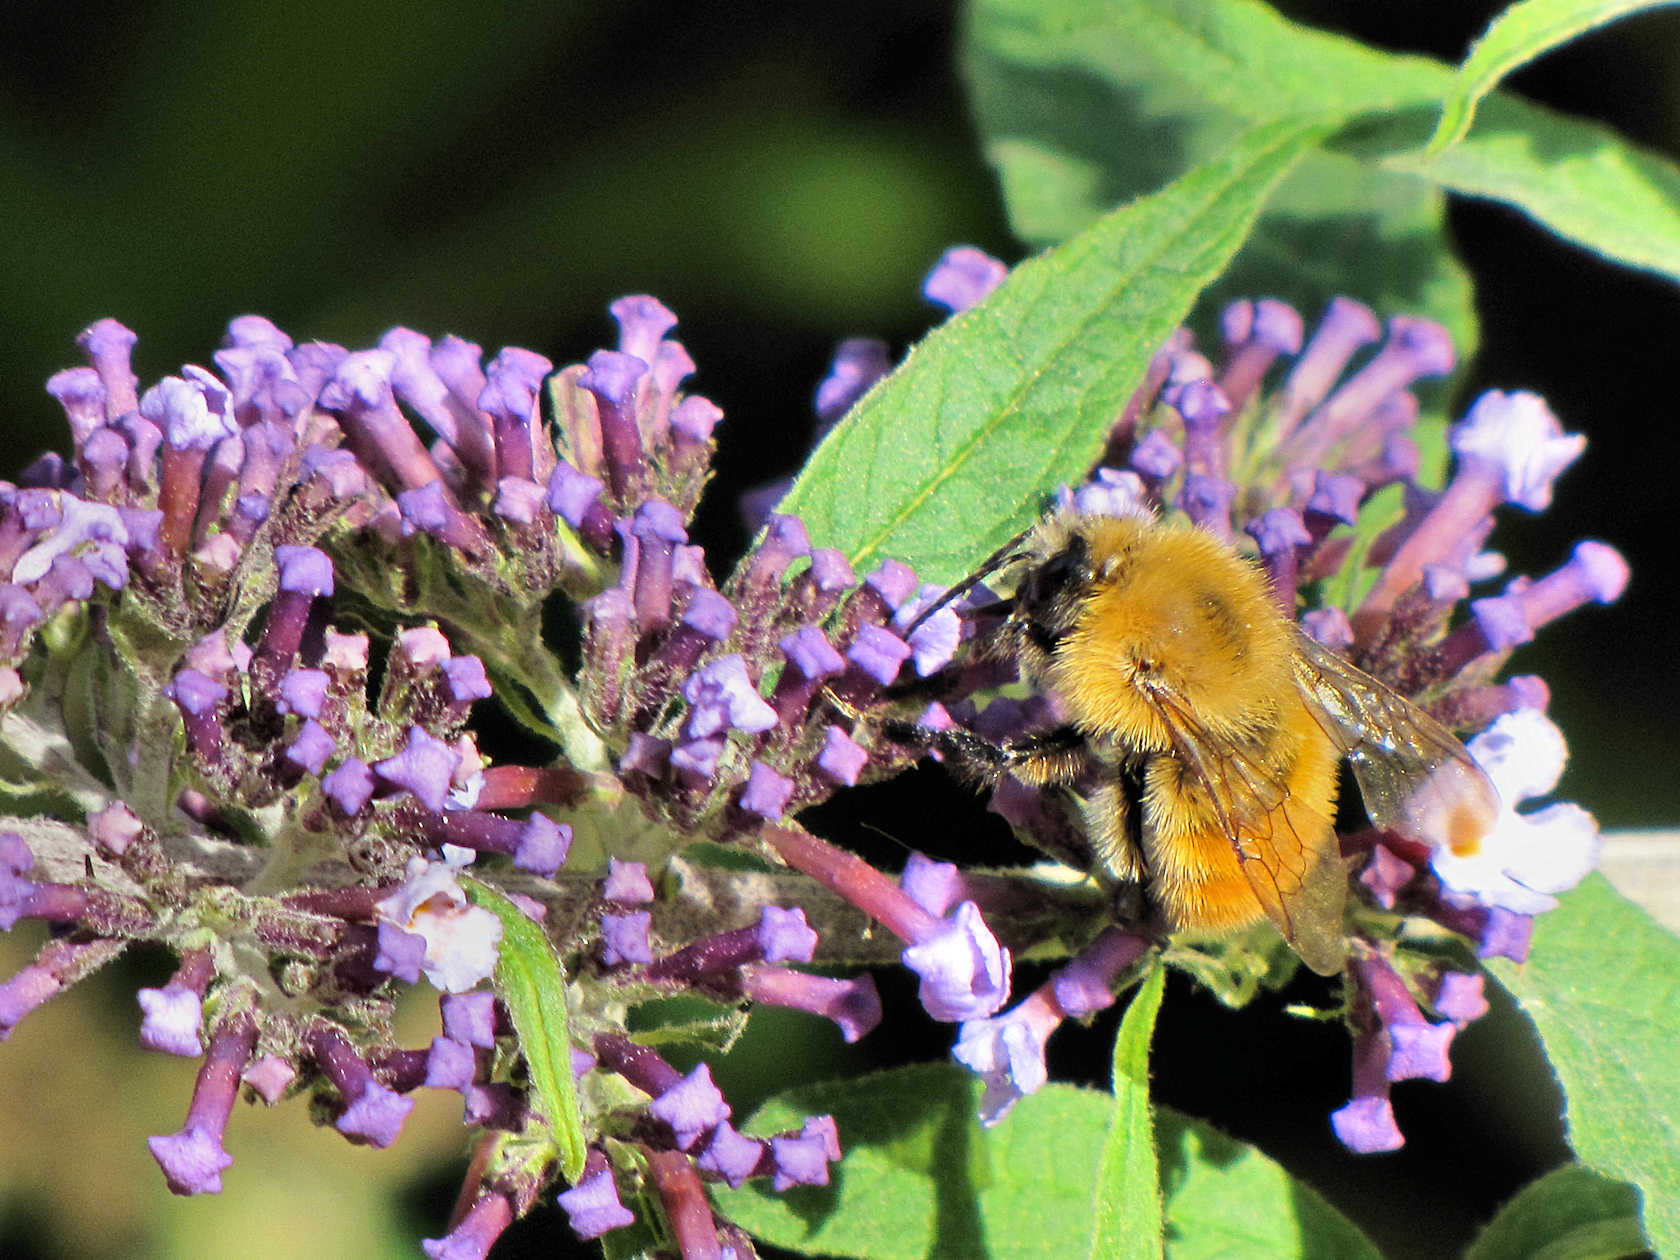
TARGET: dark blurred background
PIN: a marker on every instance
(781, 175)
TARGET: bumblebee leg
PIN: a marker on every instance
(1048, 758)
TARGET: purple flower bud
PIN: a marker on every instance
(802, 1160)
(197, 697)
(1336, 496)
(692, 1107)
(82, 395)
(696, 760)
(766, 793)
(627, 883)
(721, 697)
(428, 509)
(1417, 1048)
(642, 322)
(1207, 502)
(1366, 1125)
(1345, 326)
(785, 936)
(1156, 456)
(19, 614)
(878, 653)
(350, 787)
(784, 541)
(731, 1156)
(113, 829)
(1257, 333)
(658, 529)
(1112, 492)
(893, 582)
(646, 755)
(934, 886)
(310, 750)
(624, 938)
(1278, 532)
(399, 953)
(376, 1116)
(612, 379)
(423, 768)
(470, 1018)
(842, 758)
(693, 420)
(593, 1207)
(830, 572)
(1330, 627)
(270, 1076)
(1459, 998)
(1505, 934)
(464, 680)
(108, 345)
(576, 499)
(510, 398)
(518, 500)
(964, 971)
(172, 1018)
(1386, 874)
(478, 1231)
(542, 846)
(961, 278)
(857, 364)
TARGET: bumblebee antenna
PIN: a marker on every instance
(1004, 555)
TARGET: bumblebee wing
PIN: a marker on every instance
(1288, 851)
(1415, 776)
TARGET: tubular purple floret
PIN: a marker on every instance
(1345, 326)
(82, 395)
(510, 398)
(1415, 348)
(1203, 406)
(475, 1233)
(962, 278)
(1366, 1124)
(854, 1004)
(857, 364)
(612, 379)
(373, 1115)
(109, 346)
(1417, 1048)
(1256, 334)
(592, 1206)
(193, 1159)
(1207, 502)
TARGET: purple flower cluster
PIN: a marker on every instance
(1291, 469)
(269, 785)
(295, 576)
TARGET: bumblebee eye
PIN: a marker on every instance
(1062, 570)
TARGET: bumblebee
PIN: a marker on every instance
(1203, 729)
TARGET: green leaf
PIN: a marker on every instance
(921, 1178)
(953, 452)
(1518, 35)
(1225, 1198)
(532, 986)
(1128, 1205)
(1602, 985)
(1574, 178)
(1084, 105)
(1571, 1213)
